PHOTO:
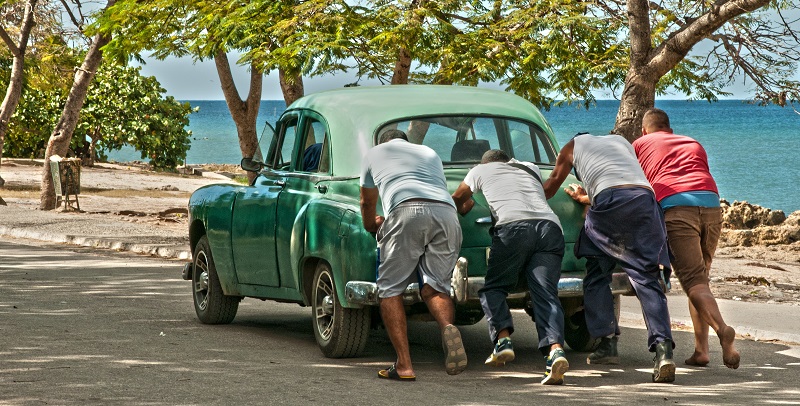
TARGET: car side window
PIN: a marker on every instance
(314, 156)
(283, 158)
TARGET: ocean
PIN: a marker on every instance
(752, 149)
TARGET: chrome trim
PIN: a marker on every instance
(465, 288)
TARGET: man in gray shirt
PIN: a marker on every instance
(526, 237)
(419, 240)
(624, 226)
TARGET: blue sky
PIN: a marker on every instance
(187, 80)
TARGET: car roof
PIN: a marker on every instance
(360, 111)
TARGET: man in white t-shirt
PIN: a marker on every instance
(419, 240)
(526, 238)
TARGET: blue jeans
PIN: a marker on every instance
(535, 248)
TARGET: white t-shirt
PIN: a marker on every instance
(512, 193)
(401, 171)
(605, 161)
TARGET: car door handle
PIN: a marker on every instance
(322, 188)
(280, 183)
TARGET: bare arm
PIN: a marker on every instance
(560, 171)
(369, 200)
(463, 199)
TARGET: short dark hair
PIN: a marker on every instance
(494, 155)
(655, 119)
(389, 135)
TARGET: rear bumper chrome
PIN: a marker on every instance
(464, 289)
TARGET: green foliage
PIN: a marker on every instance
(32, 122)
(126, 108)
(122, 108)
(549, 51)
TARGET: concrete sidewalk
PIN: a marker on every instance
(756, 321)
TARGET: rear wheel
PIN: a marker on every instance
(210, 304)
(576, 333)
(340, 332)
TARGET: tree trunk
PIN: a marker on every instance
(291, 86)
(58, 144)
(243, 112)
(15, 83)
(402, 68)
(649, 65)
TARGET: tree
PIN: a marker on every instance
(62, 134)
(209, 30)
(125, 108)
(749, 44)
(15, 83)
(561, 51)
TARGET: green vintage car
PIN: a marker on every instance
(295, 234)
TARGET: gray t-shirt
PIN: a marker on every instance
(605, 161)
(402, 171)
(512, 193)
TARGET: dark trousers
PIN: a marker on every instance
(535, 248)
(625, 226)
(601, 319)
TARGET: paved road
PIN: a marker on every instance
(85, 327)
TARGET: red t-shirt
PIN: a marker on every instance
(674, 164)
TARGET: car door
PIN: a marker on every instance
(253, 229)
(306, 181)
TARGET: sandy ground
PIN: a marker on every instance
(758, 273)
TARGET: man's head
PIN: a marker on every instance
(494, 155)
(389, 135)
(655, 120)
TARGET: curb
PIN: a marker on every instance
(163, 251)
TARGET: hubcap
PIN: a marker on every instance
(324, 309)
(201, 281)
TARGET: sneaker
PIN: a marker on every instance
(606, 352)
(557, 366)
(503, 352)
(664, 368)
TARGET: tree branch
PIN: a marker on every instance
(9, 42)
(670, 52)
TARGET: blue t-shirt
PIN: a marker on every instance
(401, 171)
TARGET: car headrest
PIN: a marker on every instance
(469, 150)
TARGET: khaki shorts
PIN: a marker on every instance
(693, 233)
(419, 242)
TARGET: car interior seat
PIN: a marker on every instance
(468, 150)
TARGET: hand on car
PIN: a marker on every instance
(577, 193)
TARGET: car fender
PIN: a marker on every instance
(212, 206)
(333, 232)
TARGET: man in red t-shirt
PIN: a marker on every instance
(677, 168)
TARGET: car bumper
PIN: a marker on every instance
(465, 288)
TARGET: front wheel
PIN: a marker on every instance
(211, 305)
(340, 332)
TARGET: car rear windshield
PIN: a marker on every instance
(464, 139)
